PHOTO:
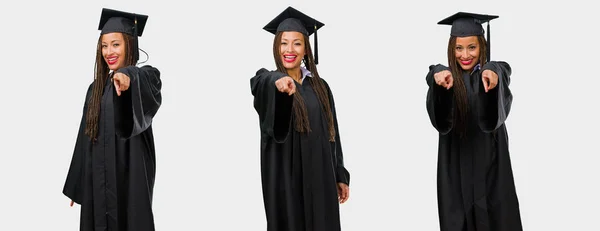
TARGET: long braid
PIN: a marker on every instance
(100, 78)
(320, 89)
(298, 106)
(483, 60)
(461, 113)
(302, 123)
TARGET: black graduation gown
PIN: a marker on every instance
(113, 179)
(476, 190)
(299, 172)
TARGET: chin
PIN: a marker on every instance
(291, 65)
(467, 68)
(114, 67)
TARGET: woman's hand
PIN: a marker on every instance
(286, 85)
(343, 192)
(444, 79)
(121, 82)
(490, 80)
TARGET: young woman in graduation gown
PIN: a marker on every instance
(468, 103)
(303, 173)
(113, 166)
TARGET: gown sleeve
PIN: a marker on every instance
(72, 187)
(440, 102)
(273, 107)
(136, 107)
(494, 106)
(342, 174)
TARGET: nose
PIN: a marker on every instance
(464, 54)
(106, 51)
(111, 50)
(288, 48)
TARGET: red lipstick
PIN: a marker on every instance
(467, 62)
(289, 58)
(112, 60)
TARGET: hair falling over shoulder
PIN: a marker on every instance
(101, 73)
(461, 111)
(301, 123)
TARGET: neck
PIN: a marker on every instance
(295, 73)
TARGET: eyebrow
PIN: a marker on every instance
(116, 40)
(298, 39)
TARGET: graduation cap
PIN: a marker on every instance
(469, 24)
(123, 22)
(293, 20)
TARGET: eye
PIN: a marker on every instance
(283, 43)
(472, 48)
(298, 44)
(116, 45)
(459, 48)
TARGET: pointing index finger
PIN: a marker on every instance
(485, 83)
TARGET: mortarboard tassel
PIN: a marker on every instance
(316, 47)
(489, 42)
(136, 54)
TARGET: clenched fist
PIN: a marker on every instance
(286, 85)
(444, 78)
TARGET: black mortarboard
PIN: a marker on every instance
(469, 24)
(124, 22)
(293, 20)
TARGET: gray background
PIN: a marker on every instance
(374, 54)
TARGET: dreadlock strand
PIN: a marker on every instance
(101, 75)
(301, 123)
(321, 91)
(461, 113)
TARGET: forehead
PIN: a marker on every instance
(292, 35)
(112, 36)
(467, 40)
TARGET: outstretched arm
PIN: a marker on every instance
(440, 101)
(494, 105)
(274, 108)
(136, 107)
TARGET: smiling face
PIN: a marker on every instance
(467, 52)
(113, 50)
(292, 49)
